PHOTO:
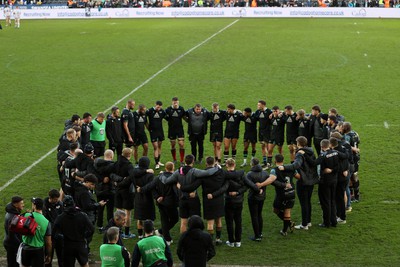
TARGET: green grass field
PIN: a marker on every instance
(53, 69)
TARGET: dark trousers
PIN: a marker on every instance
(317, 145)
(197, 140)
(255, 208)
(11, 256)
(99, 148)
(116, 147)
(75, 251)
(233, 219)
(57, 246)
(109, 206)
(169, 217)
(339, 196)
(327, 198)
(304, 193)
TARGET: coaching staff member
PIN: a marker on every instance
(152, 249)
(73, 227)
(197, 129)
(195, 247)
(33, 246)
(12, 240)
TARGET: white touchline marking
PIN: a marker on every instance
(386, 124)
(119, 101)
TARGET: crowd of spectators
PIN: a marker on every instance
(233, 3)
(211, 3)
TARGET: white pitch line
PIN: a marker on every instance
(119, 101)
(386, 124)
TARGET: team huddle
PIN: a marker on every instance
(129, 185)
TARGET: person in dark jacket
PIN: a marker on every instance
(114, 131)
(316, 128)
(12, 240)
(189, 202)
(304, 163)
(197, 129)
(234, 203)
(329, 161)
(84, 199)
(118, 220)
(256, 197)
(83, 163)
(104, 188)
(53, 207)
(166, 199)
(195, 247)
(121, 176)
(213, 188)
(73, 227)
(144, 208)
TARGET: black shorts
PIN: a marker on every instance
(264, 136)
(213, 208)
(250, 137)
(189, 207)
(281, 204)
(126, 141)
(157, 136)
(31, 256)
(291, 140)
(216, 137)
(175, 133)
(276, 142)
(78, 250)
(140, 139)
(124, 200)
(232, 135)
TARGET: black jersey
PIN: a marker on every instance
(128, 117)
(174, 117)
(140, 122)
(250, 124)
(85, 134)
(263, 118)
(329, 159)
(216, 121)
(155, 119)
(278, 128)
(304, 128)
(233, 123)
(114, 130)
(292, 126)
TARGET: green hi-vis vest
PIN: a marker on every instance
(37, 240)
(111, 255)
(98, 133)
(152, 249)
